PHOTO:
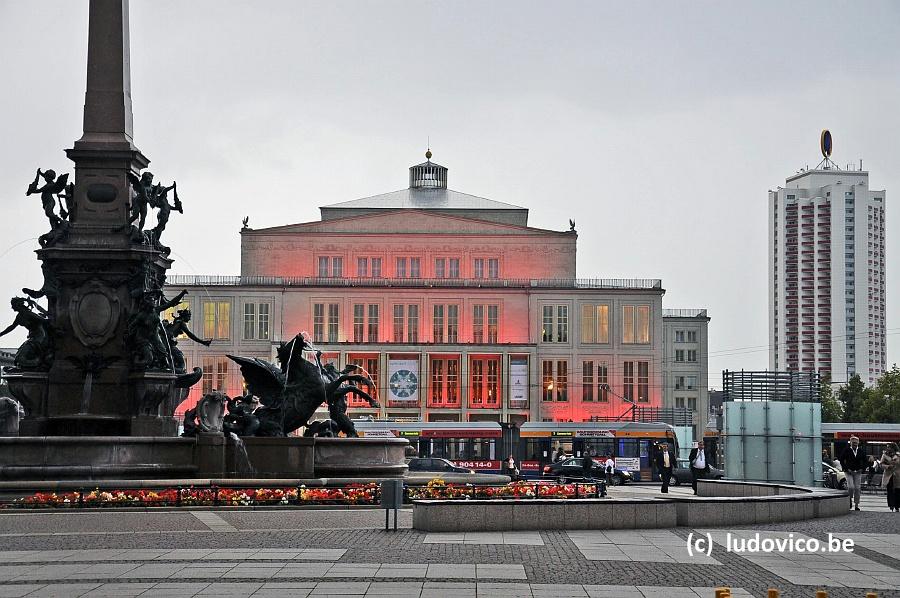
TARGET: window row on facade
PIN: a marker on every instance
(450, 381)
(332, 266)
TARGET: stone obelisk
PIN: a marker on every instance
(101, 273)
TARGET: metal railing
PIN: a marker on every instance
(513, 283)
(684, 313)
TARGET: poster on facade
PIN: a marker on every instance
(403, 380)
(518, 383)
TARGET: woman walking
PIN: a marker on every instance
(890, 479)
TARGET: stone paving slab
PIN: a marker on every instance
(275, 554)
(499, 538)
(336, 588)
(656, 546)
(838, 569)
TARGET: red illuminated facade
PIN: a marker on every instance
(458, 309)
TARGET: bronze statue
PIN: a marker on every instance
(174, 329)
(240, 419)
(143, 333)
(159, 200)
(53, 187)
(291, 392)
(140, 199)
(336, 395)
(37, 351)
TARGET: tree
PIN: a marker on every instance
(851, 398)
(832, 409)
(882, 401)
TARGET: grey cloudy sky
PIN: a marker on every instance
(658, 126)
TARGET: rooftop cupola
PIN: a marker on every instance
(427, 175)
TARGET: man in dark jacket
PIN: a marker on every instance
(853, 462)
(665, 462)
(699, 463)
(587, 465)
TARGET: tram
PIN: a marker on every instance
(473, 445)
(873, 438)
(629, 443)
(483, 446)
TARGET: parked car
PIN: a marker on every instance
(571, 469)
(833, 477)
(682, 474)
(433, 464)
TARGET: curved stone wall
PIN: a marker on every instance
(719, 503)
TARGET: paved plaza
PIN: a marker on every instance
(321, 552)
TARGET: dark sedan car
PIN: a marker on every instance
(571, 469)
(682, 474)
(433, 464)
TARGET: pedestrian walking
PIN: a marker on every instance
(587, 467)
(853, 462)
(699, 462)
(511, 470)
(890, 461)
(610, 468)
(665, 461)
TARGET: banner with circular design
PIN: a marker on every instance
(403, 379)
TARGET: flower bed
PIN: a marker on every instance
(439, 489)
(355, 494)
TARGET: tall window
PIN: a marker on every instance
(479, 268)
(359, 322)
(594, 323)
(493, 268)
(445, 323)
(562, 380)
(679, 355)
(635, 324)
(562, 323)
(438, 324)
(439, 267)
(547, 324)
(412, 324)
(217, 320)
(478, 323)
(603, 382)
(547, 380)
(642, 371)
(398, 323)
(454, 267)
(485, 382)
(337, 267)
(643, 382)
(318, 322)
(323, 266)
(333, 324)
(362, 267)
(373, 323)
(445, 382)
(215, 374)
(336, 263)
(692, 355)
(415, 268)
(628, 381)
(376, 267)
(679, 336)
(692, 336)
(555, 323)
(493, 318)
(452, 323)
(256, 321)
(370, 364)
(401, 267)
(587, 381)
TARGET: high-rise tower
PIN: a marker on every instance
(827, 272)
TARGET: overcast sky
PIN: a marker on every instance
(658, 126)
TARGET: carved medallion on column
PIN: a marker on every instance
(94, 312)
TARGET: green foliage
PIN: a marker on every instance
(832, 409)
(879, 404)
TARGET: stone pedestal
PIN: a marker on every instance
(209, 455)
